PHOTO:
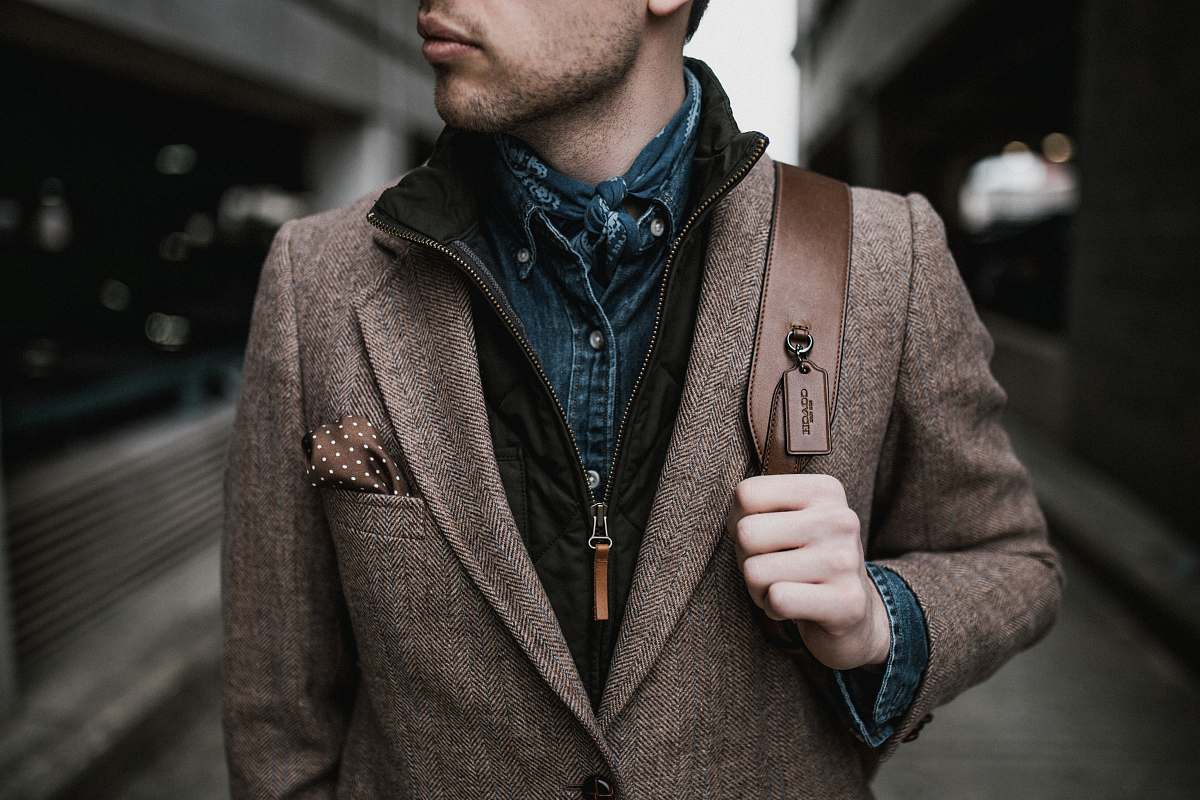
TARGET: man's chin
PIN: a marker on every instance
(469, 109)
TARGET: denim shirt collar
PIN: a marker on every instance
(527, 189)
(440, 199)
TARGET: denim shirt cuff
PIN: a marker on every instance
(875, 695)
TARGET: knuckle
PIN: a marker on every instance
(860, 607)
(836, 625)
(775, 599)
(845, 522)
(843, 621)
(830, 485)
(850, 610)
(743, 493)
(743, 531)
(752, 571)
(850, 519)
(842, 559)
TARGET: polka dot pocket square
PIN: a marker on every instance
(346, 455)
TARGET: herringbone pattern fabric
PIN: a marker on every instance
(402, 646)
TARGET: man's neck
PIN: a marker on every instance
(600, 138)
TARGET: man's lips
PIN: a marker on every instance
(442, 41)
(437, 51)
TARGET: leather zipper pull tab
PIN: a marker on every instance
(601, 543)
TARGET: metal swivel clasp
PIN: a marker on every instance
(799, 342)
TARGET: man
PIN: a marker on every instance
(492, 527)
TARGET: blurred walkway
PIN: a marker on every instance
(1097, 710)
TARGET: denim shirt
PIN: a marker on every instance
(590, 328)
(584, 278)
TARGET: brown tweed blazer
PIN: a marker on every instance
(402, 646)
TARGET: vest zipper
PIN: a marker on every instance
(737, 175)
(599, 540)
(601, 543)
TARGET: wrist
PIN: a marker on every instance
(881, 630)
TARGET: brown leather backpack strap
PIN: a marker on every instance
(804, 286)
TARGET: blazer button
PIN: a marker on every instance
(916, 731)
(595, 787)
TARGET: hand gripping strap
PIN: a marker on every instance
(805, 282)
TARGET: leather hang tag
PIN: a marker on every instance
(806, 410)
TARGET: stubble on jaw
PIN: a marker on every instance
(524, 94)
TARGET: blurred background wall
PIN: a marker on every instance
(153, 147)
(1058, 142)
(1055, 139)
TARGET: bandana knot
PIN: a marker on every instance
(604, 218)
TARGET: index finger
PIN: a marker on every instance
(790, 492)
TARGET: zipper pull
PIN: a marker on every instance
(600, 542)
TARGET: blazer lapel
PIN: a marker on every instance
(419, 335)
(709, 451)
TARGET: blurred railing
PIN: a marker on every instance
(101, 521)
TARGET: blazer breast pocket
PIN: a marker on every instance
(390, 516)
(398, 579)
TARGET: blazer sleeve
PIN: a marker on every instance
(289, 673)
(955, 514)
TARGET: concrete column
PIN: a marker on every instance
(866, 145)
(346, 162)
(1135, 288)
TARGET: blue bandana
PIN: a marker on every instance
(592, 218)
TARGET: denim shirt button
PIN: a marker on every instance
(523, 255)
(657, 226)
(596, 340)
(593, 478)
